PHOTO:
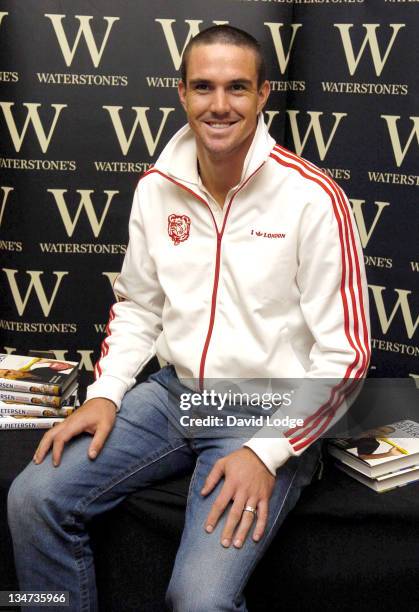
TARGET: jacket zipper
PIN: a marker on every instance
(219, 235)
(216, 277)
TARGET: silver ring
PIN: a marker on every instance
(250, 509)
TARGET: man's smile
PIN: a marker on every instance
(220, 125)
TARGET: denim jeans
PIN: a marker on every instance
(48, 507)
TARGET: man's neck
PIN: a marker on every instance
(219, 175)
(219, 178)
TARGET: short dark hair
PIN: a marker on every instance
(227, 35)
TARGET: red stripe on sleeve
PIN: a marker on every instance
(347, 240)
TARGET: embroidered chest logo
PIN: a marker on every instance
(260, 234)
(178, 228)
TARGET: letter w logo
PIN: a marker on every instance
(315, 127)
(357, 208)
(86, 203)
(279, 47)
(142, 121)
(370, 39)
(6, 191)
(399, 153)
(85, 30)
(167, 25)
(402, 303)
(31, 117)
(35, 283)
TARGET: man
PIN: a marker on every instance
(243, 262)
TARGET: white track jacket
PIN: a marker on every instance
(271, 286)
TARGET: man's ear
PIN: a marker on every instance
(181, 88)
(264, 91)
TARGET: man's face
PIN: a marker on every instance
(221, 98)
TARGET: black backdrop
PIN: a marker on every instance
(88, 100)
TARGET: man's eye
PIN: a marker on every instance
(237, 87)
(202, 86)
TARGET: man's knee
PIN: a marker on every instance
(194, 592)
(190, 599)
(31, 498)
(20, 501)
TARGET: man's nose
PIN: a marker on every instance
(220, 102)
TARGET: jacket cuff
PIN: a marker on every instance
(108, 387)
(274, 452)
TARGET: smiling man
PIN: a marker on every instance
(222, 95)
(243, 262)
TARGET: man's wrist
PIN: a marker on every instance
(252, 453)
(273, 452)
(104, 399)
(108, 387)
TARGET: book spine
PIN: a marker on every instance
(41, 424)
(36, 411)
(27, 386)
(30, 398)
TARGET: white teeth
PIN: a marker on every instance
(220, 125)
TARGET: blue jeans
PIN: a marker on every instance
(48, 508)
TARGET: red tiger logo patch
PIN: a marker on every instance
(178, 228)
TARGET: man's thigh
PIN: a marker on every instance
(204, 569)
(138, 452)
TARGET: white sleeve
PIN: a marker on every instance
(135, 319)
(334, 302)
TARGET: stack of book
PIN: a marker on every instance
(35, 392)
(382, 458)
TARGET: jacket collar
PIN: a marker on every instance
(179, 158)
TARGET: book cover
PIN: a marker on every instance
(36, 374)
(381, 450)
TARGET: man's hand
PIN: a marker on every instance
(248, 482)
(96, 416)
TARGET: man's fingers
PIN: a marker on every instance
(57, 437)
(247, 521)
(233, 519)
(216, 473)
(43, 447)
(60, 439)
(98, 441)
(262, 519)
(218, 508)
(249, 483)
(57, 450)
(96, 417)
